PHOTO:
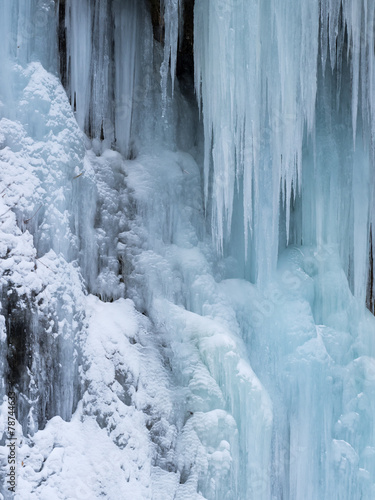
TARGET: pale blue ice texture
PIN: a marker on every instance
(240, 227)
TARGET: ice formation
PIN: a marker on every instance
(275, 109)
(184, 280)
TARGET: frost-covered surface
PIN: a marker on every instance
(41, 284)
(120, 437)
(150, 359)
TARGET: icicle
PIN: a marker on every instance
(257, 73)
(355, 17)
(253, 74)
(5, 50)
(172, 10)
(102, 66)
(79, 50)
(126, 53)
(101, 118)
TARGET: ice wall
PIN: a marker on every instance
(41, 289)
(105, 49)
(219, 452)
(252, 376)
(285, 93)
(267, 75)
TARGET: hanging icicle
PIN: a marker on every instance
(101, 64)
(258, 67)
(172, 11)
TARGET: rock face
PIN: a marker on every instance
(185, 56)
(157, 20)
(185, 60)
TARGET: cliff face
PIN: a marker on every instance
(157, 20)
(185, 61)
(185, 58)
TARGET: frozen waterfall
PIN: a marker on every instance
(187, 208)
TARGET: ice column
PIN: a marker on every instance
(172, 21)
